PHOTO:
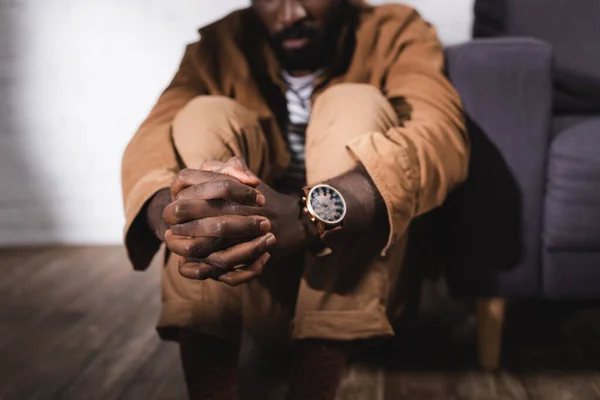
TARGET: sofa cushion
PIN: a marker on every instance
(571, 275)
(572, 204)
(571, 27)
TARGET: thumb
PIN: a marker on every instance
(212, 165)
(237, 168)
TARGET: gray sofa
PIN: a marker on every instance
(527, 222)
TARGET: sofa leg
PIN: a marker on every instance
(490, 317)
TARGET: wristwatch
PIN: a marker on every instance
(325, 207)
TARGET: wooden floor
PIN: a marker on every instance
(77, 323)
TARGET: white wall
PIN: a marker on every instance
(76, 79)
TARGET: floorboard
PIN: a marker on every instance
(76, 323)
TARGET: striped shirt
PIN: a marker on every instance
(298, 93)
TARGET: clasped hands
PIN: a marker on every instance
(226, 223)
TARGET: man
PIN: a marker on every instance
(282, 168)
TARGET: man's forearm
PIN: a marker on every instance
(154, 212)
(365, 206)
(366, 212)
(365, 209)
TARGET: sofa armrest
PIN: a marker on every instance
(494, 220)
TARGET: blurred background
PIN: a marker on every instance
(77, 77)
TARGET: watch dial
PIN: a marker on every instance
(327, 204)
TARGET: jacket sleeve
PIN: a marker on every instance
(416, 164)
(150, 161)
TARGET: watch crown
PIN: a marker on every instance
(305, 210)
(313, 219)
(304, 198)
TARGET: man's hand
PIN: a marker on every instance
(215, 224)
(282, 210)
(221, 214)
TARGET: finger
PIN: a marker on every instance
(244, 253)
(237, 168)
(242, 275)
(201, 270)
(225, 226)
(197, 271)
(198, 247)
(223, 189)
(182, 211)
(188, 177)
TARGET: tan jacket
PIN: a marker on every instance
(414, 166)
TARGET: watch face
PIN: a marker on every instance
(327, 204)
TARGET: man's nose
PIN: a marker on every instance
(291, 12)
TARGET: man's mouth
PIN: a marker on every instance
(294, 44)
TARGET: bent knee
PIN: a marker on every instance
(217, 128)
(345, 93)
(215, 113)
(211, 102)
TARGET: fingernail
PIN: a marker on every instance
(265, 226)
(270, 241)
(250, 175)
(266, 258)
(260, 199)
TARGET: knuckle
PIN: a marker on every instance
(188, 248)
(195, 192)
(236, 164)
(196, 227)
(179, 210)
(254, 225)
(184, 174)
(180, 180)
(234, 280)
(234, 208)
(220, 227)
(249, 194)
(218, 261)
(176, 185)
(203, 271)
(236, 161)
(226, 187)
(228, 281)
(185, 229)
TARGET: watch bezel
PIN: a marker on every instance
(312, 211)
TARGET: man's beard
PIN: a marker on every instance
(309, 58)
(314, 55)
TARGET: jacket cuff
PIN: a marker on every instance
(140, 242)
(394, 171)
